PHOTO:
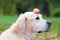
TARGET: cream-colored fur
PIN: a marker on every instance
(25, 28)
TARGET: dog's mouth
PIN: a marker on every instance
(42, 31)
(39, 31)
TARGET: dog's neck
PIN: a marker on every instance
(27, 34)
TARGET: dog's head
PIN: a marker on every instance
(30, 21)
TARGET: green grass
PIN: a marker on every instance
(6, 21)
(54, 33)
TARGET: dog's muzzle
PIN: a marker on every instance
(47, 29)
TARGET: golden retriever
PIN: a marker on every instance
(26, 27)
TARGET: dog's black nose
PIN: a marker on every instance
(49, 23)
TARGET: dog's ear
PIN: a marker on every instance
(21, 23)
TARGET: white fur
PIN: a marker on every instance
(25, 28)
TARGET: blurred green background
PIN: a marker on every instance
(50, 9)
(13, 7)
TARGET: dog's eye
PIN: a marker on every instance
(37, 18)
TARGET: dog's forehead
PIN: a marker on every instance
(32, 15)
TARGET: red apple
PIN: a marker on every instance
(36, 11)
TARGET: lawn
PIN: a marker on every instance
(53, 34)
